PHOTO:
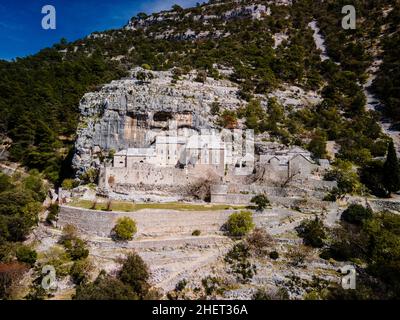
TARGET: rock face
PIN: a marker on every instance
(130, 112)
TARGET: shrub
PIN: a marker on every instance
(90, 176)
(202, 188)
(58, 258)
(211, 284)
(26, 255)
(240, 223)
(76, 249)
(74, 246)
(346, 177)
(262, 294)
(313, 232)
(125, 229)
(135, 273)
(261, 201)
(53, 209)
(356, 214)
(274, 255)
(298, 255)
(228, 119)
(317, 146)
(258, 241)
(80, 271)
(105, 287)
(181, 285)
(196, 233)
(215, 108)
(69, 233)
(69, 184)
(237, 257)
(146, 66)
(201, 76)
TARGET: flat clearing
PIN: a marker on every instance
(127, 206)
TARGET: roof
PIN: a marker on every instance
(298, 150)
(324, 162)
(283, 160)
(303, 156)
(137, 152)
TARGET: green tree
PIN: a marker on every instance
(261, 201)
(356, 214)
(105, 287)
(313, 232)
(80, 271)
(317, 146)
(26, 255)
(240, 223)
(391, 170)
(124, 229)
(135, 273)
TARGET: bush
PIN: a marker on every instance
(135, 273)
(274, 255)
(26, 255)
(313, 233)
(181, 285)
(53, 209)
(211, 285)
(90, 176)
(298, 255)
(125, 229)
(240, 223)
(196, 233)
(76, 249)
(146, 66)
(228, 119)
(69, 184)
(201, 76)
(356, 214)
(261, 201)
(80, 271)
(237, 257)
(258, 241)
(262, 294)
(105, 287)
(69, 233)
(215, 108)
(74, 246)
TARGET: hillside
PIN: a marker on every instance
(267, 45)
(285, 69)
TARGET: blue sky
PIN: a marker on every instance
(21, 33)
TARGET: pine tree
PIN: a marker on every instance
(391, 170)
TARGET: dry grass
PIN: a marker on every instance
(126, 206)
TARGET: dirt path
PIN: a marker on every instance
(373, 103)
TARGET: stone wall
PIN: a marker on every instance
(149, 222)
(288, 202)
(382, 205)
(142, 175)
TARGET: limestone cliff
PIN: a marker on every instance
(130, 112)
